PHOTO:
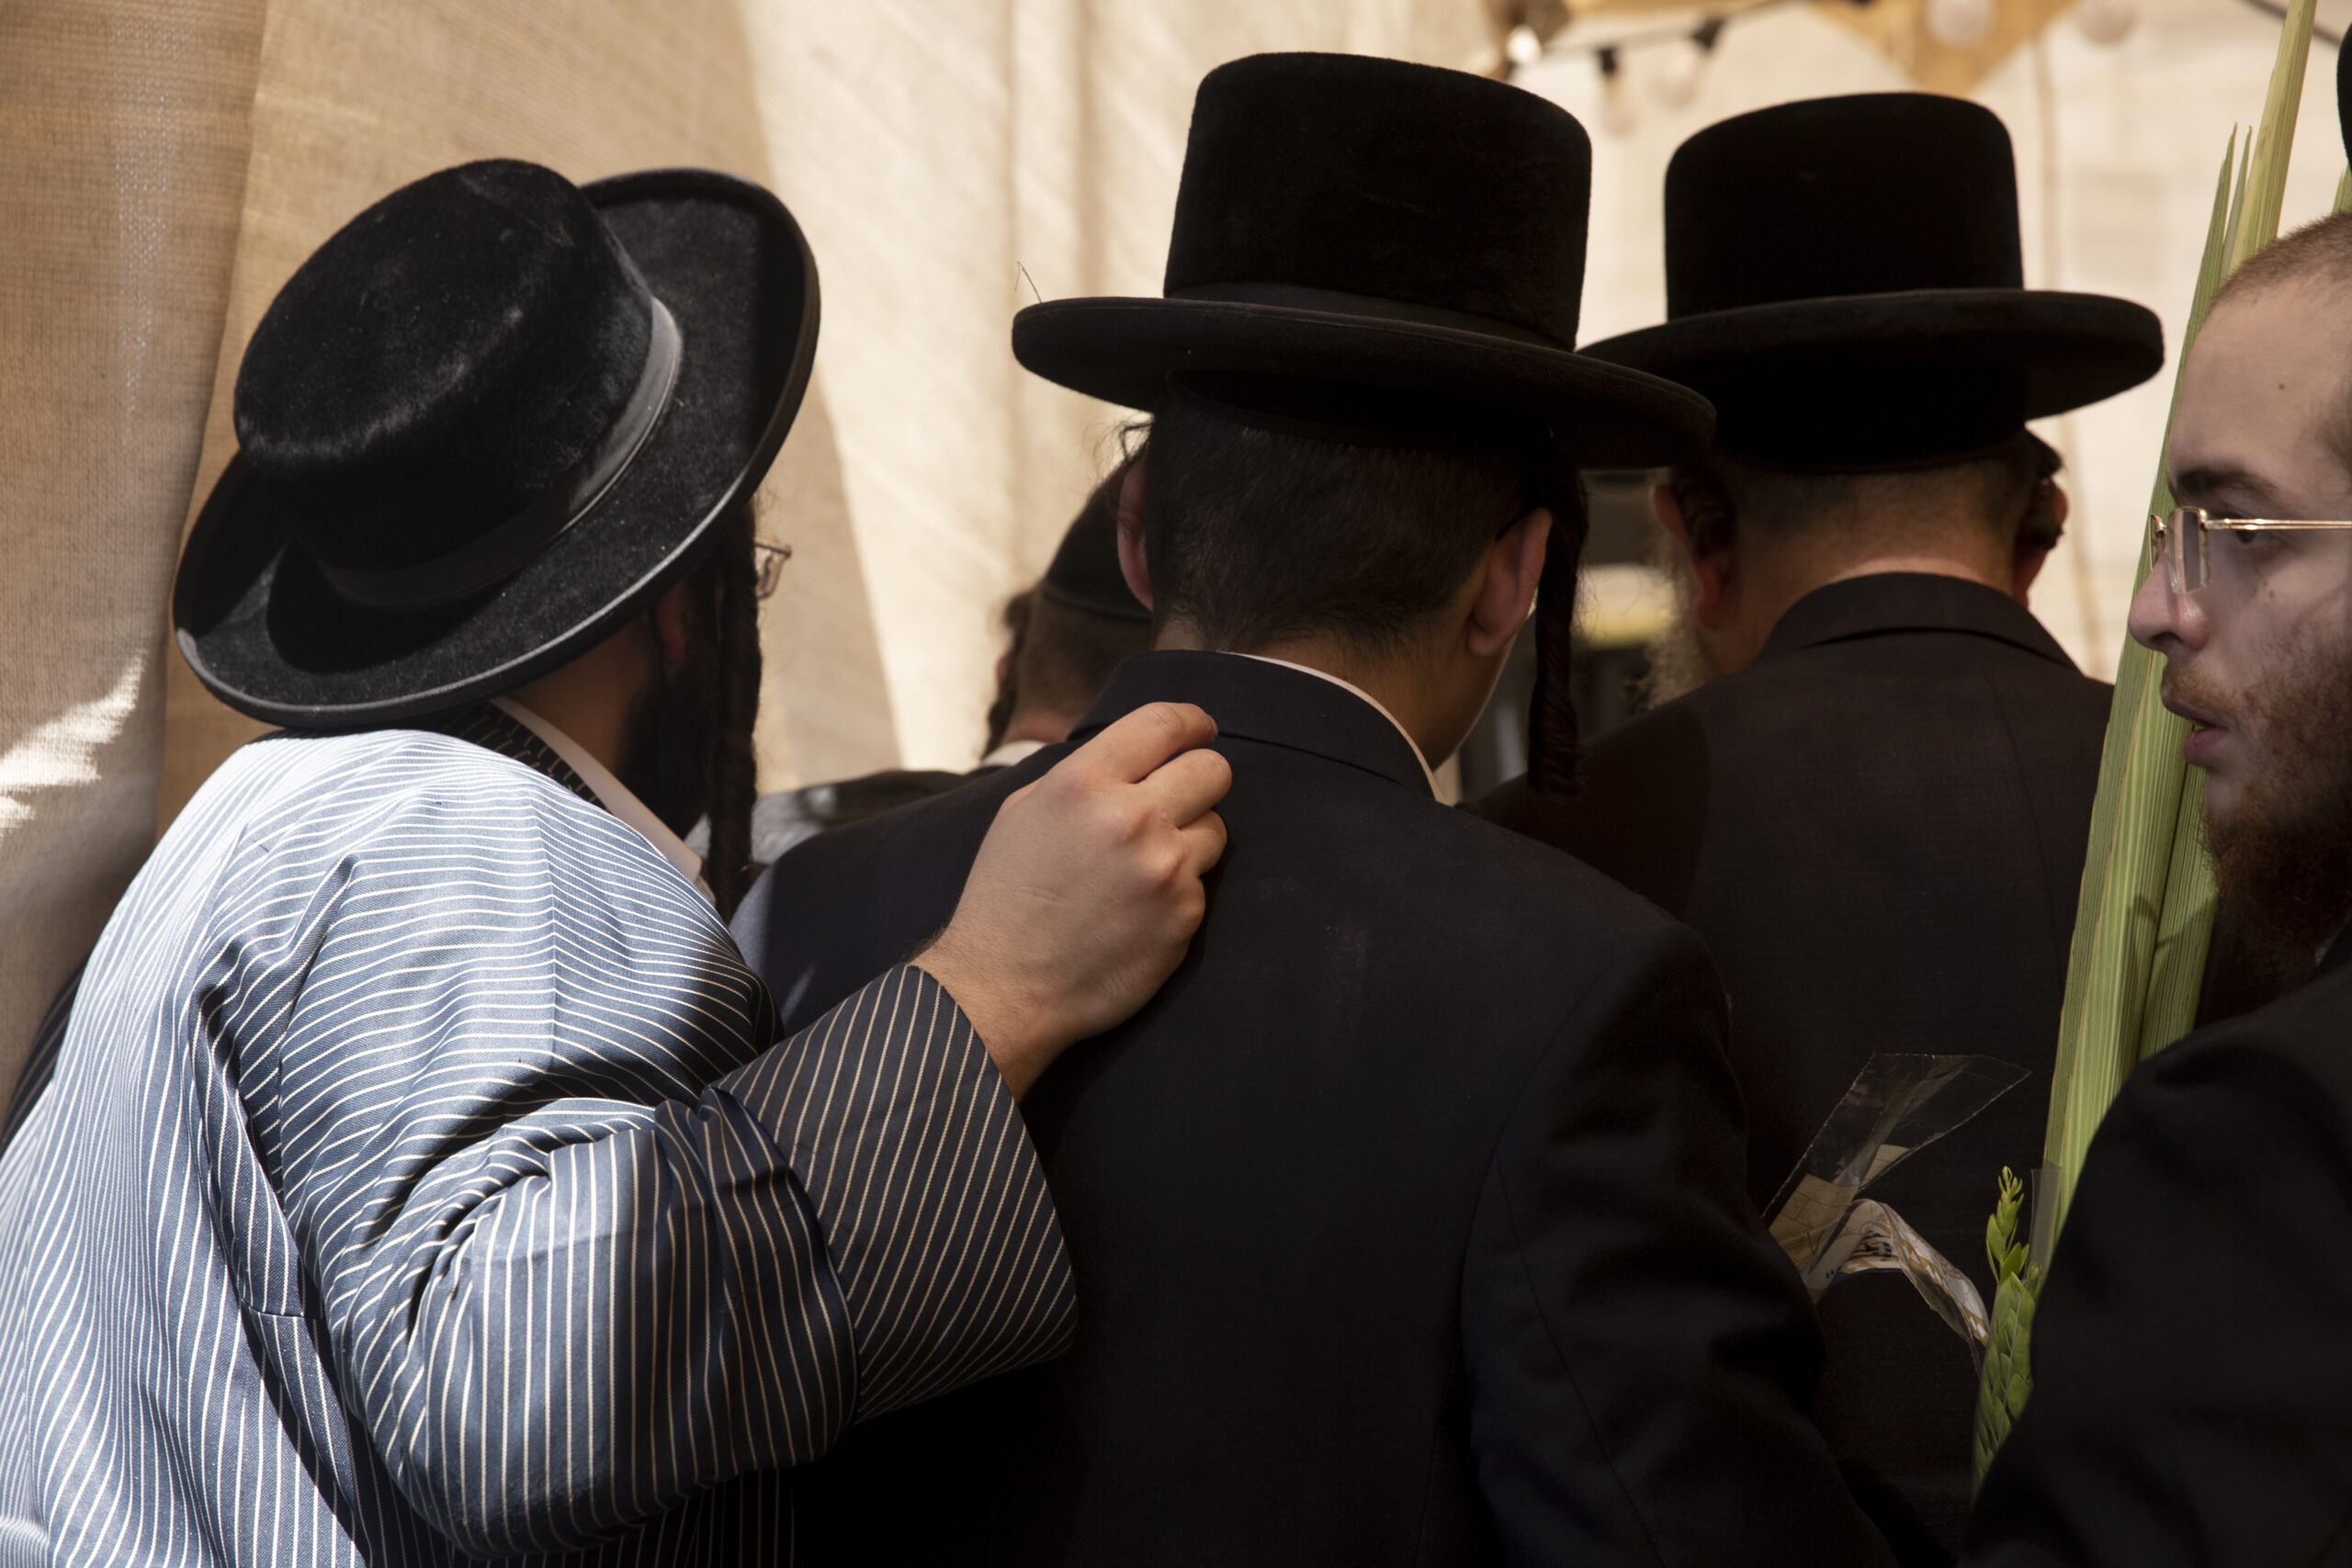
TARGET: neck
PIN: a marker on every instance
(591, 698)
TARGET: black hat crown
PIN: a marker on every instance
(491, 419)
(1843, 278)
(451, 380)
(1370, 247)
(1871, 194)
(1349, 175)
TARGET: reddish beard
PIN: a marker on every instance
(2282, 855)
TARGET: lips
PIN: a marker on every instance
(2205, 731)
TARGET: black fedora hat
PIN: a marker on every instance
(491, 419)
(1371, 224)
(1843, 279)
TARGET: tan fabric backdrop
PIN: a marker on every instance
(953, 161)
(122, 159)
(165, 163)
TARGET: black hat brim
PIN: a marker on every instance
(1124, 350)
(260, 626)
(2070, 350)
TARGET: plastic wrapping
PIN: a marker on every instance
(1899, 1103)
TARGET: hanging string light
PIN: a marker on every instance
(2106, 21)
(1678, 79)
(1960, 24)
(1618, 116)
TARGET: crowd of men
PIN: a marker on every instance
(1185, 1138)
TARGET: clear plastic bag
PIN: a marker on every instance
(1899, 1103)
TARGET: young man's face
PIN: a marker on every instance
(2259, 659)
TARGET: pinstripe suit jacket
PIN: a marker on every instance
(418, 1179)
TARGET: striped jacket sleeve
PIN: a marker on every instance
(581, 1249)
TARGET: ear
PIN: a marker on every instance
(1132, 565)
(1710, 571)
(670, 626)
(1507, 579)
(2026, 560)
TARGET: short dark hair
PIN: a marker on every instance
(2320, 248)
(1059, 658)
(1256, 535)
(2004, 488)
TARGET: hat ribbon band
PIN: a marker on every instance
(1339, 302)
(502, 551)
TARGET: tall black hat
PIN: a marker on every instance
(1371, 224)
(489, 420)
(1843, 279)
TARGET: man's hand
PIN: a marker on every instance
(1087, 890)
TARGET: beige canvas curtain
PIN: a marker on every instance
(165, 164)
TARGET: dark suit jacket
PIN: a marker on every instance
(1407, 1218)
(1878, 827)
(2192, 1351)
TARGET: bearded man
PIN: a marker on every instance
(421, 1174)
(2192, 1348)
(1875, 812)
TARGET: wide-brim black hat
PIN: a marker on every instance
(489, 421)
(1374, 224)
(1844, 281)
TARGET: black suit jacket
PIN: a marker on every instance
(2192, 1351)
(1878, 827)
(1406, 1220)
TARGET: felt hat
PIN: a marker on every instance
(489, 420)
(1843, 279)
(1378, 226)
(1084, 574)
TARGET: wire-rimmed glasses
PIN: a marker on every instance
(767, 562)
(2181, 543)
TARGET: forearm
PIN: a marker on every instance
(604, 1308)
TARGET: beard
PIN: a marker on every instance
(2282, 855)
(666, 745)
(1678, 657)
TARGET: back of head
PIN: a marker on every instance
(1258, 536)
(1993, 495)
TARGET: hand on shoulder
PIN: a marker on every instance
(1087, 890)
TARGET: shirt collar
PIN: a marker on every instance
(1376, 706)
(1269, 700)
(611, 793)
(1012, 752)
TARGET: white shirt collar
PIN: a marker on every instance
(1012, 752)
(612, 795)
(1367, 697)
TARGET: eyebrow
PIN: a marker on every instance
(2208, 479)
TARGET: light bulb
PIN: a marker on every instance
(1677, 75)
(1617, 114)
(1960, 24)
(2106, 21)
(1522, 48)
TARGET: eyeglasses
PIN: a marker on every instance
(767, 563)
(2179, 543)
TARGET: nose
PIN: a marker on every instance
(2164, 620)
